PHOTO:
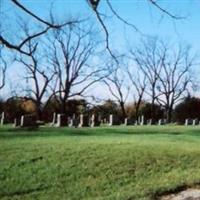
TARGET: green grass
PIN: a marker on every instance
(118, 163)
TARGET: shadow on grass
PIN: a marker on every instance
(23, 192)
(11, 132)
(159, 194)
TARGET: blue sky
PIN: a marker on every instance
(149, 20)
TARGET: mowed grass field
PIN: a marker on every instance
(105, 163)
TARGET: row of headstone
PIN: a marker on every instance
(60, 120)
(141, 121)
(83, 121)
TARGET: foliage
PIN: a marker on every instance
(14, 107)
(107, 108)
(188, 108)
(146, 111)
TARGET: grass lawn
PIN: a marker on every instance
(118, 163)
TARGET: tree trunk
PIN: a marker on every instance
(169, 115)
(153, 111)
(137, 106)
(123, 111)
(38, 111)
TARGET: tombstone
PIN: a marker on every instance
(142, 120)
(94, 121)
(188, 122)
(127, 121)
(54, 120)
(113, 120)
(149, 122)
(28, 121)
(61, 120)
(17, 122)
(161, 122)
(195, 122)
(2, 118)
(83, 121)
(73, 122)
(99, 119)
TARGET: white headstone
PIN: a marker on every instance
(61, 120)
(22, 121)
(54, 119)
(195, 122)
(111, 120)
(149, 122)
(2, 118)
(142, 120)
(188, 122)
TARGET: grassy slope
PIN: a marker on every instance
(100, 163)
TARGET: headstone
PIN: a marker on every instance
(127, 121)
(54, 118)
(161, 122)
(142, 120)
(16, 122)
(99, 118)
(149, 122)
(73, 122)
(2, 118)
(61, 120)
(94, 121)
(83, 121)
(28, 121)
(113, 120)
(188, 122)
(195, 122)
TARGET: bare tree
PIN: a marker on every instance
(117, 85)
(149, 60)
(39, 75)
(95, 3)
(70, 53)
(175, 78)
(3, 67)
(47, 25)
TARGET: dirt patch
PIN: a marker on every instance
(189, 194)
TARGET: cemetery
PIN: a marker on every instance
(97, 154)
(99, 100)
